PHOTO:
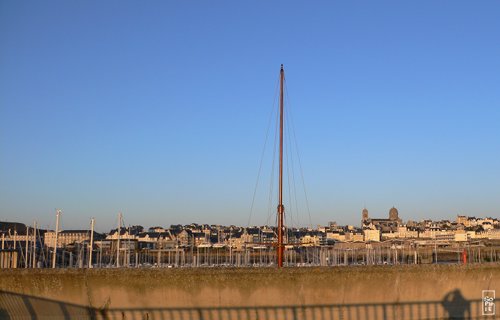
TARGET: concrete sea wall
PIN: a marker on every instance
(375, 292)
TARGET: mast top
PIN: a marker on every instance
(282, 66)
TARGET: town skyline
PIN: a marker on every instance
(390, 229)
(126, 223)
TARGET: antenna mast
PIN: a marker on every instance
(281, 208)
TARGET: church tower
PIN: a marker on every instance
(364, 216)
(393, 214)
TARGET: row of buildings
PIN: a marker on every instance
(194, 235)
(464, 228)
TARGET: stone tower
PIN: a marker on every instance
(364, 216)
(393, 214)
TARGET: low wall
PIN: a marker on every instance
(375, 292)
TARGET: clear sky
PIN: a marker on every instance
(159, 109)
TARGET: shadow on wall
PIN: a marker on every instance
(453, 306)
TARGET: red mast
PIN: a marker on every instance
(281, 208)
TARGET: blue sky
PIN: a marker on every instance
(159, 109)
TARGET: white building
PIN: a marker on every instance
(371, 235)
(66, 237)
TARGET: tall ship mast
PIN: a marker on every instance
(281, 207)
